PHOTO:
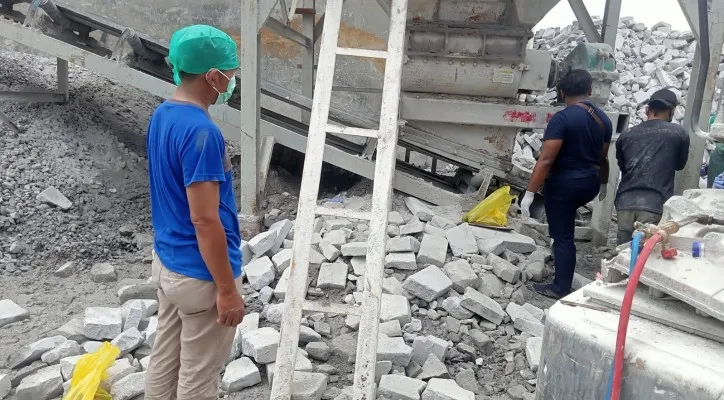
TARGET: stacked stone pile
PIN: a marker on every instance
(647, 60)
(455, 323)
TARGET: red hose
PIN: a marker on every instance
(633, 282)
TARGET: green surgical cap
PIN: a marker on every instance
(196, 49)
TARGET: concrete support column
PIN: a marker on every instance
(62, 72)
(308, 57)
(250, 118)
(689, 177)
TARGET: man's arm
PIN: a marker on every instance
(619, 155)
(604, 167)
(683, 151)
(547, 157)
(204, 206)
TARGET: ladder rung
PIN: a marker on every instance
(348, 51)
(336, 308)
(346, 130)
(344, 213)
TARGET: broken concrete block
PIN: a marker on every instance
(133, 314)
(129, 387)
(412, 228)
(91, 346)
(428, 284)
(461, 274)
(535, 270)
(433, 368)
(533, 348)
(359, 265)
(25, 355)
(512, 241)
(530, 326)
(103, 272)
(395, 218)
(446, 389)
(461, 240)
(66, 349)
(45, 384)
(406, 261)
(263, 242)
(280, 291)
(128, 341)
(455, 309)
(433, 230)
(240, 374)
(308, 385)
(318, 351)
(5, 385)
(150, 332)
(403, 244)
(354, 249)
(442, 223)
(393, 349)
(67, 366)
(395, 307)
(424, 346)
(52, 196)
(274, 313)
(419, 209)
(65, 270)
(119, 370)
(515, 311)
(281, 260)
(345, 345)
(503, 269)
(491, 285)
(536, 312)
(261, 345)
(248, 324)
(483, 305)
(482, 341)
(391, 328)
(333, 224)
(329, 251)
(139, 290)
(281, 229)
(260, 272)
(11, 312)
(579, 281)
(400, 387)
(433, 250)
(332, 276)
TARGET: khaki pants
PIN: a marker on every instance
(190, 347)
(626, 219)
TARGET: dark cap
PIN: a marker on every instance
(663, 98)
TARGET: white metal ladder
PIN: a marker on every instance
(295, 303)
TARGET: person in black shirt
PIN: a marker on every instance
(573, 169)
(649, 155)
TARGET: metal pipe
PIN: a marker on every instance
(130, 36)
(49, 7)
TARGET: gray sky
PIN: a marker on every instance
(647, 11)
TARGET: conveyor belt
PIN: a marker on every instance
(83, 47)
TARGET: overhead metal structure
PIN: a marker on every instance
(467, 65)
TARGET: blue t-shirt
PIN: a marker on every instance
(582, 138)
(185, 146)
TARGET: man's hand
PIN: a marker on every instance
(604, 191)
(231, 308)
(525, 204)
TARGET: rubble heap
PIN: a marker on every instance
(454, 315)
(647, 60)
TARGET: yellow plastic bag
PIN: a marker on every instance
(90, 371)
(492, 210)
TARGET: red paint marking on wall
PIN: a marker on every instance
(519, 116)
(548, 117)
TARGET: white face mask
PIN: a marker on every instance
(224, 97)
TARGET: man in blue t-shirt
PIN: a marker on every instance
(573, 169)
(197, 258)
